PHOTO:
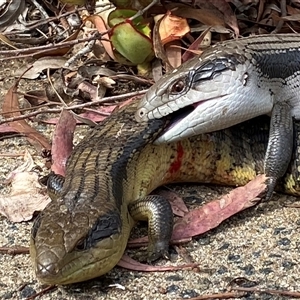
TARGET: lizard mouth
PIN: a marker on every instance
(179, 115)
(182, 113)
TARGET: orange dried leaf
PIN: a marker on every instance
(172, 28)
(101, 27)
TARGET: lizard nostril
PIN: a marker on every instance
(140, 114)
(44, 271)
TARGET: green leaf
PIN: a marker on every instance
(133, 45)
(120, 15)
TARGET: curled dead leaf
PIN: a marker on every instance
(27, 196)
(172, 28)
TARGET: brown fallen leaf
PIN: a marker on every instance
(178, 206)
(169, 29)
(229, 16)
(101, 27)
(28, 165)
(27, 196)
(90, 90)
(212, 17)
(41, 64)
(36, 97)
(10, 108)
(62, 143)
(172, 28)
(158, 47)
(6, 129)
(209, 216)
(194, 47)
(56, 51)
(131, 264)
(173, 52)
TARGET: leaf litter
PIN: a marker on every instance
(27, 195)
(217, 17)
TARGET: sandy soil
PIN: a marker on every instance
(261, 244)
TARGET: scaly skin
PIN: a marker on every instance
(229, 83)
(116, 165)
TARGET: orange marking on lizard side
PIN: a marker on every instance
(176, 164)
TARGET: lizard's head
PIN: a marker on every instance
(73, 246)
(207, 93)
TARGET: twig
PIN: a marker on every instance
(76, 116)
(88, 48)
(10, 155)
(33, 50)
(34, 24)
(43, 12)
(241, 291)
(58, 110)
(42, 292)
(142, 11)
(267, 291)
(101, 113)
(14, 250)
(30, 108)
(229, 295)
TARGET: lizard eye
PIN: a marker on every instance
(81, 245)
(177, 87)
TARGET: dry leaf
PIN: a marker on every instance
(229, 17)
(62, 144)
(211, 17)
(215, 212)
(101, 27)
(6, 129)
(56, 51)
(178, 206)
(44, 63)
(27, 196)
(28, 165)
(36, 97)
(131, 264)
(206, 34)
(173, 52)
(172, 28)
(10, 108)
